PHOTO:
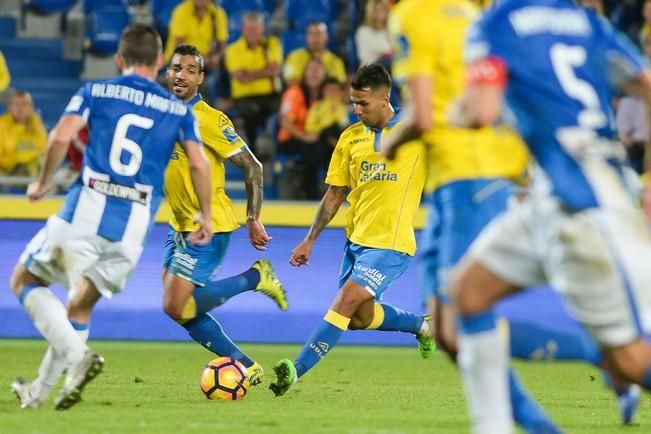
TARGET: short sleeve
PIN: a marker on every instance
(275, 50)
(231, 58)
(414, 53)
(221, 31)
(338, 170)
(336, 69)
(189, 129)
(80, 103)
(292, 70)
(220, 137)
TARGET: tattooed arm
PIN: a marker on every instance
(246, 161)
(329, 206)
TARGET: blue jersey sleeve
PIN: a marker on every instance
(80, 103)
(189, 130)
(481, 41)
(623, 60)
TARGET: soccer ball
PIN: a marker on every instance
(224, 378)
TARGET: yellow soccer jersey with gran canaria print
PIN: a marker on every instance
(428, 38)
(384, 195)
(220, 142)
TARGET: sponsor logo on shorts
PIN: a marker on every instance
(185, 261)
(119, 191)
(372, 276)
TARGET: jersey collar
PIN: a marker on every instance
(397, 116)
(196, 99)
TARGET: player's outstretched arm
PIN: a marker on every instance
(416, 120)
(332, 200)
(202, 183)
(57, 147)
(252, 168)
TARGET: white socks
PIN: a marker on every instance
(51, 319)
(51, 369)
(483, 360)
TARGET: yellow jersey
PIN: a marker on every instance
(428, 38)
(220, 142)
(21, 144)
(239, 56)
(384, 195)
(5, 76)
(213, 27)
(298, 59)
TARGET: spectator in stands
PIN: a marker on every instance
(316, 37)
(5, 77)
(292, 137)
(327, 117)
(632, 119)
(205, 25)
(645, 32)
(254, 62)
(23, 137)
(372, 37)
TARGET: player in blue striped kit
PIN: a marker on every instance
(93, 244)
(557, 67)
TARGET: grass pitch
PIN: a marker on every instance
(153, 388)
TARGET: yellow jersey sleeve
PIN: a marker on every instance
(414, 52)
(5, 77)
(294, 65)
(219, 136)
(339, 169)
(221, 25)
(274, 50)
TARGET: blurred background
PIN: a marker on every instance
(48, 48)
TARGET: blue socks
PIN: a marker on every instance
(534, 341)
(205, 330)
(389, 318)
(215, 293)
(324, 337)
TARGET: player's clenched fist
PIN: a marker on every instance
(301, 253)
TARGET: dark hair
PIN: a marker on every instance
(191, 50)
(373, 76)
(140, 44)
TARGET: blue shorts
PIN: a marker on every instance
(374, 269)
(193, 262)
(428, 250)
(459, 212)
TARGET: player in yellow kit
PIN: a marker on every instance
(384, 197)
(470, 171)
(187, 269)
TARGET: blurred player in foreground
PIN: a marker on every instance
(384, 197)
(187, 267)
(558, 67)
(470, 172)
(93, 244)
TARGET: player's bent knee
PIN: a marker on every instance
(20, 277)
(630, 361)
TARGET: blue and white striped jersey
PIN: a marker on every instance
(565, 65)
(134, 124)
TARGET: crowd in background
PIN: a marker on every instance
(291, 107)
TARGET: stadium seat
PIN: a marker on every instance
(94, 5)
(162, 10)
(46, 7)
(232, 7)
(103, 29)
(291, 41)
(300, 13)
